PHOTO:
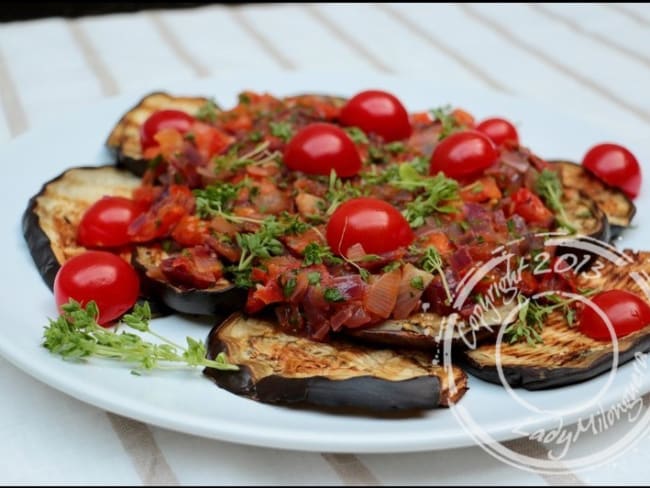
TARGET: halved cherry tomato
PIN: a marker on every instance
(100, 276)
(616, 166)
(163, 119)
(378, 112)
(376, 225)
(320, 148)
(626, 312)
(105, 223)
(499, 130)
(463, 155)
(531, 208)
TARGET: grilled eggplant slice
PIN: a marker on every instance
(585, 215)
(566, 356)
(221, 299)
(279, 368)
(427, 330)
(618, 208)
(124, 139)
(52, 216)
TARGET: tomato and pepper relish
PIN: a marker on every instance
(221, 202)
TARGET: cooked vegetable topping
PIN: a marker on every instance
(335, 214)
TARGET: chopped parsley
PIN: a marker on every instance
(549, 187)
(449, 123)
(313, 277)
(357, 135)
(208, 111)
(319, 254)
(290, 287)
(333, 295)
(432, 263)
(283, 130)
(417, 282)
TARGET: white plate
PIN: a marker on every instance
(187, 401)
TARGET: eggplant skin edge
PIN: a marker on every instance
(366, 393)
(38, 243)
(40, 246)
(616, 230)
(539, 378)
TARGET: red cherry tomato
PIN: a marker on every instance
(616, 166)
(376, 225)
(100, 276)
(499, 130)
(626, 312)
(320, 148)
(463, 155)
(531, 208)
(106, 222)
(163, 119)
(378, 112)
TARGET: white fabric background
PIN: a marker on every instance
(592, 61)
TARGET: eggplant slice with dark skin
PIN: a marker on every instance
(220, 299)
(52, 216)
(618, 208)
(275, 367)
(566, 356)
(124, 139)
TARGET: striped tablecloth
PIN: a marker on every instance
(592, 61)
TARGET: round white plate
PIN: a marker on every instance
(187, 401)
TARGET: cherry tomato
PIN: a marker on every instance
(100, 276)
(105, 223)
(616, 166)
(320, 148)
(499, 130)
(626, 312)
(463, 155)
(163, 119)
(376, 225)
(378, 112)
(531, 208)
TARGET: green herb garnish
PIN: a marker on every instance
(357, 135)
(333, 295)
(283, 130)
(417, 282)
(316, 253)
(75, 335)
(432, 263)
(549, 187)
(208, 111)
(314, 278)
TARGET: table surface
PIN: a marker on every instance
(592, 61)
